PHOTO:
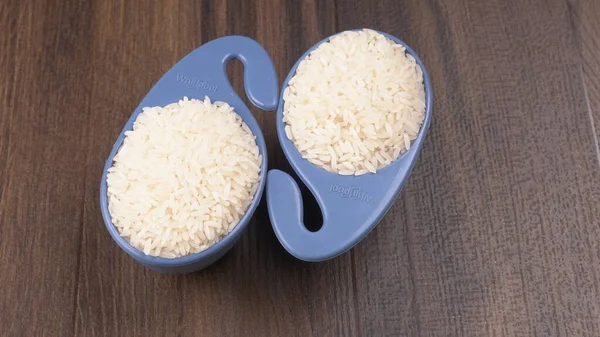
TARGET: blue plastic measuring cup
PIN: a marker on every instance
(203, 73)
(351, 205)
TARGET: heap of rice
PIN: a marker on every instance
(355, 103)
(183, 178)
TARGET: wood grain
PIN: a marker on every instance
(584, 18)
(45, 94)
(496, 231)
(495, 234)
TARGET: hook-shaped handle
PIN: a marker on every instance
(351, 206)
(203, 73)
(260, 78)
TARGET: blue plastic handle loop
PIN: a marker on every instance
(351, 205)
(203, 73)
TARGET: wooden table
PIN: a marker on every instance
(497, 232)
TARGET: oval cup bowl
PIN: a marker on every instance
(351, 205)
(203, 73)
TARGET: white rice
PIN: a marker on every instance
(183, 178)
(355, 103)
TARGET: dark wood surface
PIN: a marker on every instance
(497, 232)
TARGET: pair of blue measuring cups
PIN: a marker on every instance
(351, 205)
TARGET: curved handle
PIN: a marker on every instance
(203, 73)
(351, 207)
(260, 78)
